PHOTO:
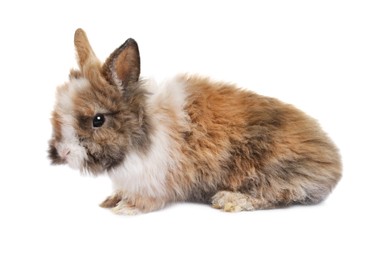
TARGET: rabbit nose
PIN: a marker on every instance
(64, 153)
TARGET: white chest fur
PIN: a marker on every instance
(145, 174)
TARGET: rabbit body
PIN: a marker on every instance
(191, 139)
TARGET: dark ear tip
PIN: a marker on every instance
(129, 42)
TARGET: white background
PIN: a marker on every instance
(329, 58)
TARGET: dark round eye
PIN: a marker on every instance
(98, 120)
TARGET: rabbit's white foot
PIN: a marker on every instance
(231, 201)
(235, 201)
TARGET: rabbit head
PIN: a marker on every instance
(100, 112)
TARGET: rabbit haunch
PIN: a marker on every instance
(187, 139)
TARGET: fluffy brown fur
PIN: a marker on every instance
(213, 143)
(254, 145)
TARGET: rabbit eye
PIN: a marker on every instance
(98, 120)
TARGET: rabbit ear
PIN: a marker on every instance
(85, 54)
(123, 66)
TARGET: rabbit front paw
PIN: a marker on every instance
(111, 201)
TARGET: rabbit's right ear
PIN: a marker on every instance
(122, 68)
(85, 54)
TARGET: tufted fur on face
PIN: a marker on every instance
(100, 112)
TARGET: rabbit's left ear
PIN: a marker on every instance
(123, 66)
(85, 54)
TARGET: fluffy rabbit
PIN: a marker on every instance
(190, 139)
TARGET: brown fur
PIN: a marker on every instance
(111, 201)
(246, 143)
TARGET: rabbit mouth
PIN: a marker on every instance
(65, 152)
(101, 163)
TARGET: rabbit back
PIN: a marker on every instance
(236, 140)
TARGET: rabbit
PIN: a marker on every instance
(187, 139)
